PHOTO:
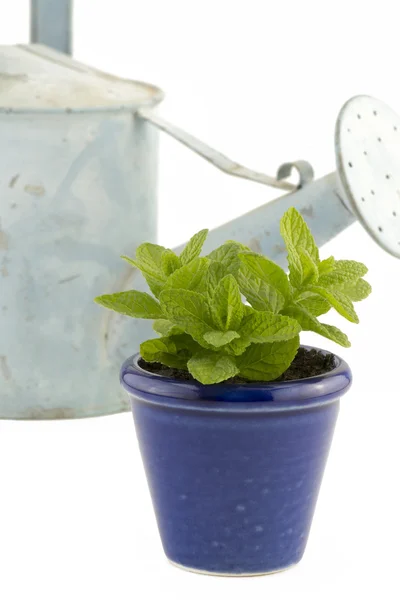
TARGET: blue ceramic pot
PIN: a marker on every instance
(234, 470)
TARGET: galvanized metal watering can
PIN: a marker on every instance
(78, 188)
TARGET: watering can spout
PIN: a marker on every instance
(366, 185)
(318, 202)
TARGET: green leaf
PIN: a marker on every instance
(260, 295)
(341, 303)
(189, 311)
(262, 327)
(266, 270)
(344, 271)
(192, 276)
(149, 262)
(295, 232)
(309, 323)
(170, 262)
(212, 367)
(301, 247)
(310, 273)
(227, 306)
(216, 272)
(164, 351)
(227, 255)
(166, 328)
(193, 247)
(315, 305)
(220, 338)
(149, 258)
(326, 265)
(132, 303)
(357, 290)
(265, 362)
(185, 344)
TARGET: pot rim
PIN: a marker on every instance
(244, 397)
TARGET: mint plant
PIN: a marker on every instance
(205, 326)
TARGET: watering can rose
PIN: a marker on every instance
(205, 328)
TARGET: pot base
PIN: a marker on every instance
(215, 574)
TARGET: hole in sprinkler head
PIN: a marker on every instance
(365, 153)
(350, 164)
(380, 229)
(395, 128)
(362, 199)
(375, 113)
(372, 192)
(394, 213)
(348, 130)
(358, 116)
(379, 139)
(387, 176)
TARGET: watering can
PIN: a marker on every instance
(78, 189)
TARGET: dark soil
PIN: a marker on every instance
(307, 363)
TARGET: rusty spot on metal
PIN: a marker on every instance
(49, 413)
(71, 278)
(4, 368)
(255, 245)
(3, 240)
(308, 211)
(13, 180)
(35, 190)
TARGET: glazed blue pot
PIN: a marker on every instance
(234, 470)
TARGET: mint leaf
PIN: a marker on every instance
(185, 344)
(266, 270)
(265, 362)
(262, 327)
(227, 306)
(260, 295)
(216, 272)
(149, 262)
(169, 262)
(326, 265)
(220, 338)
(227, 255)
(166, 328)
(212, 367)
(356, 290)
(132, 303)
(193, 247)
(344, 271)
(309, 323)
(341, 303)
(192, 276)
(301, 247)
(163, 350)
(310, 273)
(189, 311)
(314, 304)
(296, 233)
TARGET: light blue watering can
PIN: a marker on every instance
(78, 189)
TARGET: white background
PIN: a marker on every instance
(262, 81)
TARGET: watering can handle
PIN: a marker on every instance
(303, 168)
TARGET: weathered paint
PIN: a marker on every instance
(74, 208)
